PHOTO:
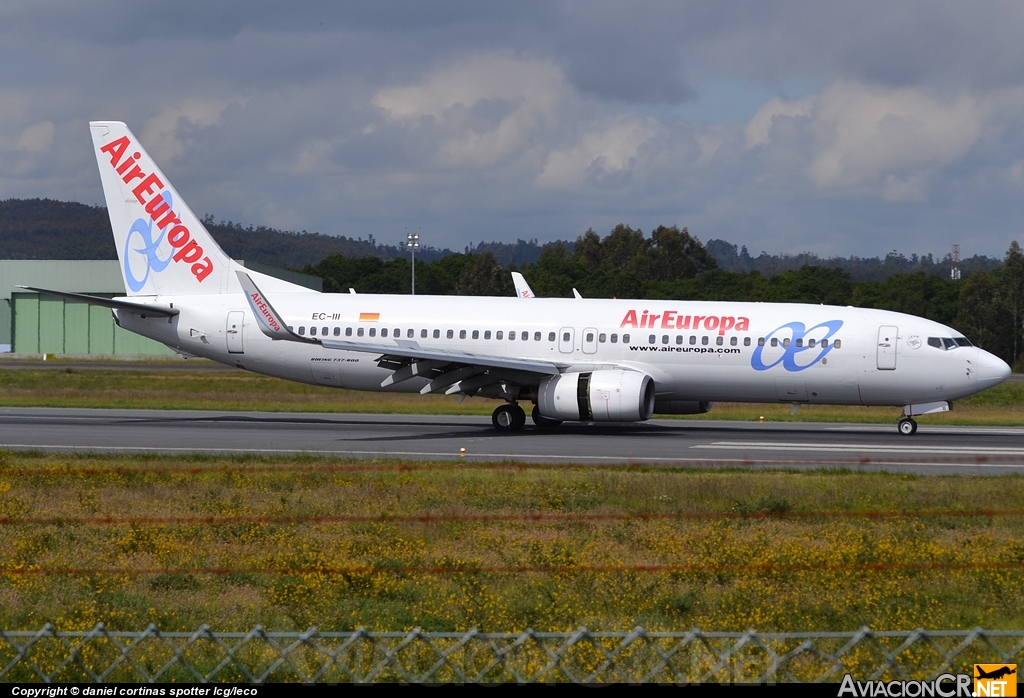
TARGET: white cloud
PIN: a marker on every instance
(865, 135)
(759, 128)
(613, 149)
(37, 138)
(160, 133)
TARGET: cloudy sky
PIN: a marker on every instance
(838, 128)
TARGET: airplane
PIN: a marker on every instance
(1005, 670)
(579, 359)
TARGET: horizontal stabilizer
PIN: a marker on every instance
(116, 303)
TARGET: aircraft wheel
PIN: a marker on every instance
(907, 426)
(542, 421)
(520, 415)
(508, 418)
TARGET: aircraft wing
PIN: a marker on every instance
(115, 303)
(405, 349)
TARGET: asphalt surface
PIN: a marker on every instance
(933, 450)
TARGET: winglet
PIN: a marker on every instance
(577, 294)
(523, 289)
(268, 320)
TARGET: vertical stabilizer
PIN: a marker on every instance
(163, 248)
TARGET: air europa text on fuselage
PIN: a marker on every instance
(672, 320)
(186, 248)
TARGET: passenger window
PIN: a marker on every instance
(423, 334)
(615, 338)
(785, 342)
(437, 334)
(396, 333)
(590, 336)
(565, 337)
(410, 333)
(625, 339)
(760, 341)
(337, 331)
(312, 331)
(810, 343)
(384, 332)
(733, 341)
(551, 336)
(824, 344)
(746, 341)
(679, 339)
(487, 334)
(290, 328)
(359, 332)
(693, 339)
(373, 331)
(512, 335)
(348, 331)
(302, 329)
(462, 334)
(719, 340)
(775, 342)
(602, 338)
(837, 344)
(800, 341)
(498, 334)
(664, 339)
(704, 340)
(476, 334)
(536, 336)
(451, 334)
(651, 339)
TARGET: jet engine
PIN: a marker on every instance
(599, 396)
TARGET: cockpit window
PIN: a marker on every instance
(935, 342)
(963, 342)
(949, 342)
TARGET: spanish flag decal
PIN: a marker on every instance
(369, 317)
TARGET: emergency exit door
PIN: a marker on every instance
(234, 331)
(886, 357)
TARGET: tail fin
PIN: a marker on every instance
(162, 246)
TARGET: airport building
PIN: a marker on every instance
(32, 323)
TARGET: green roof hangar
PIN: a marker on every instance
(33, 323)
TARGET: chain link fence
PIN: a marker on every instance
(638, 656)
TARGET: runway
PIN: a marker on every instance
(934, 450)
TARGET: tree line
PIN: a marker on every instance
(986, 306)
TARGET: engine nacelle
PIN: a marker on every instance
(682, 406)
(601, 396)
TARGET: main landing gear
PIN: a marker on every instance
(509, 417)
(907, 426)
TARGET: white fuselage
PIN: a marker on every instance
(694, 350)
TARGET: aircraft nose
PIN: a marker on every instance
(991, 370)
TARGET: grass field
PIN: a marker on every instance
(239, 390)
(232, 542)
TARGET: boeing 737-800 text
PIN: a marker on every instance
(574, 359)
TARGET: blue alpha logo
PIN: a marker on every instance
(795, 347)
(142, 229)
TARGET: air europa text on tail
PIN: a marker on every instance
(187, 250)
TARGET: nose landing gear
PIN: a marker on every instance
(907, 426)
(509, 417)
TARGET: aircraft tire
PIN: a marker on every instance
(907, 426)
(542, 421)
(508, 418)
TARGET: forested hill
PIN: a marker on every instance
(47, 229)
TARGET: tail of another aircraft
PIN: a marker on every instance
(163, 248)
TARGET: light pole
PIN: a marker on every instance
(412, 243)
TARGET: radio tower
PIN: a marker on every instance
(954, 269)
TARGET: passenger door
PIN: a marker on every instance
(886, 357)
(234, 332)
